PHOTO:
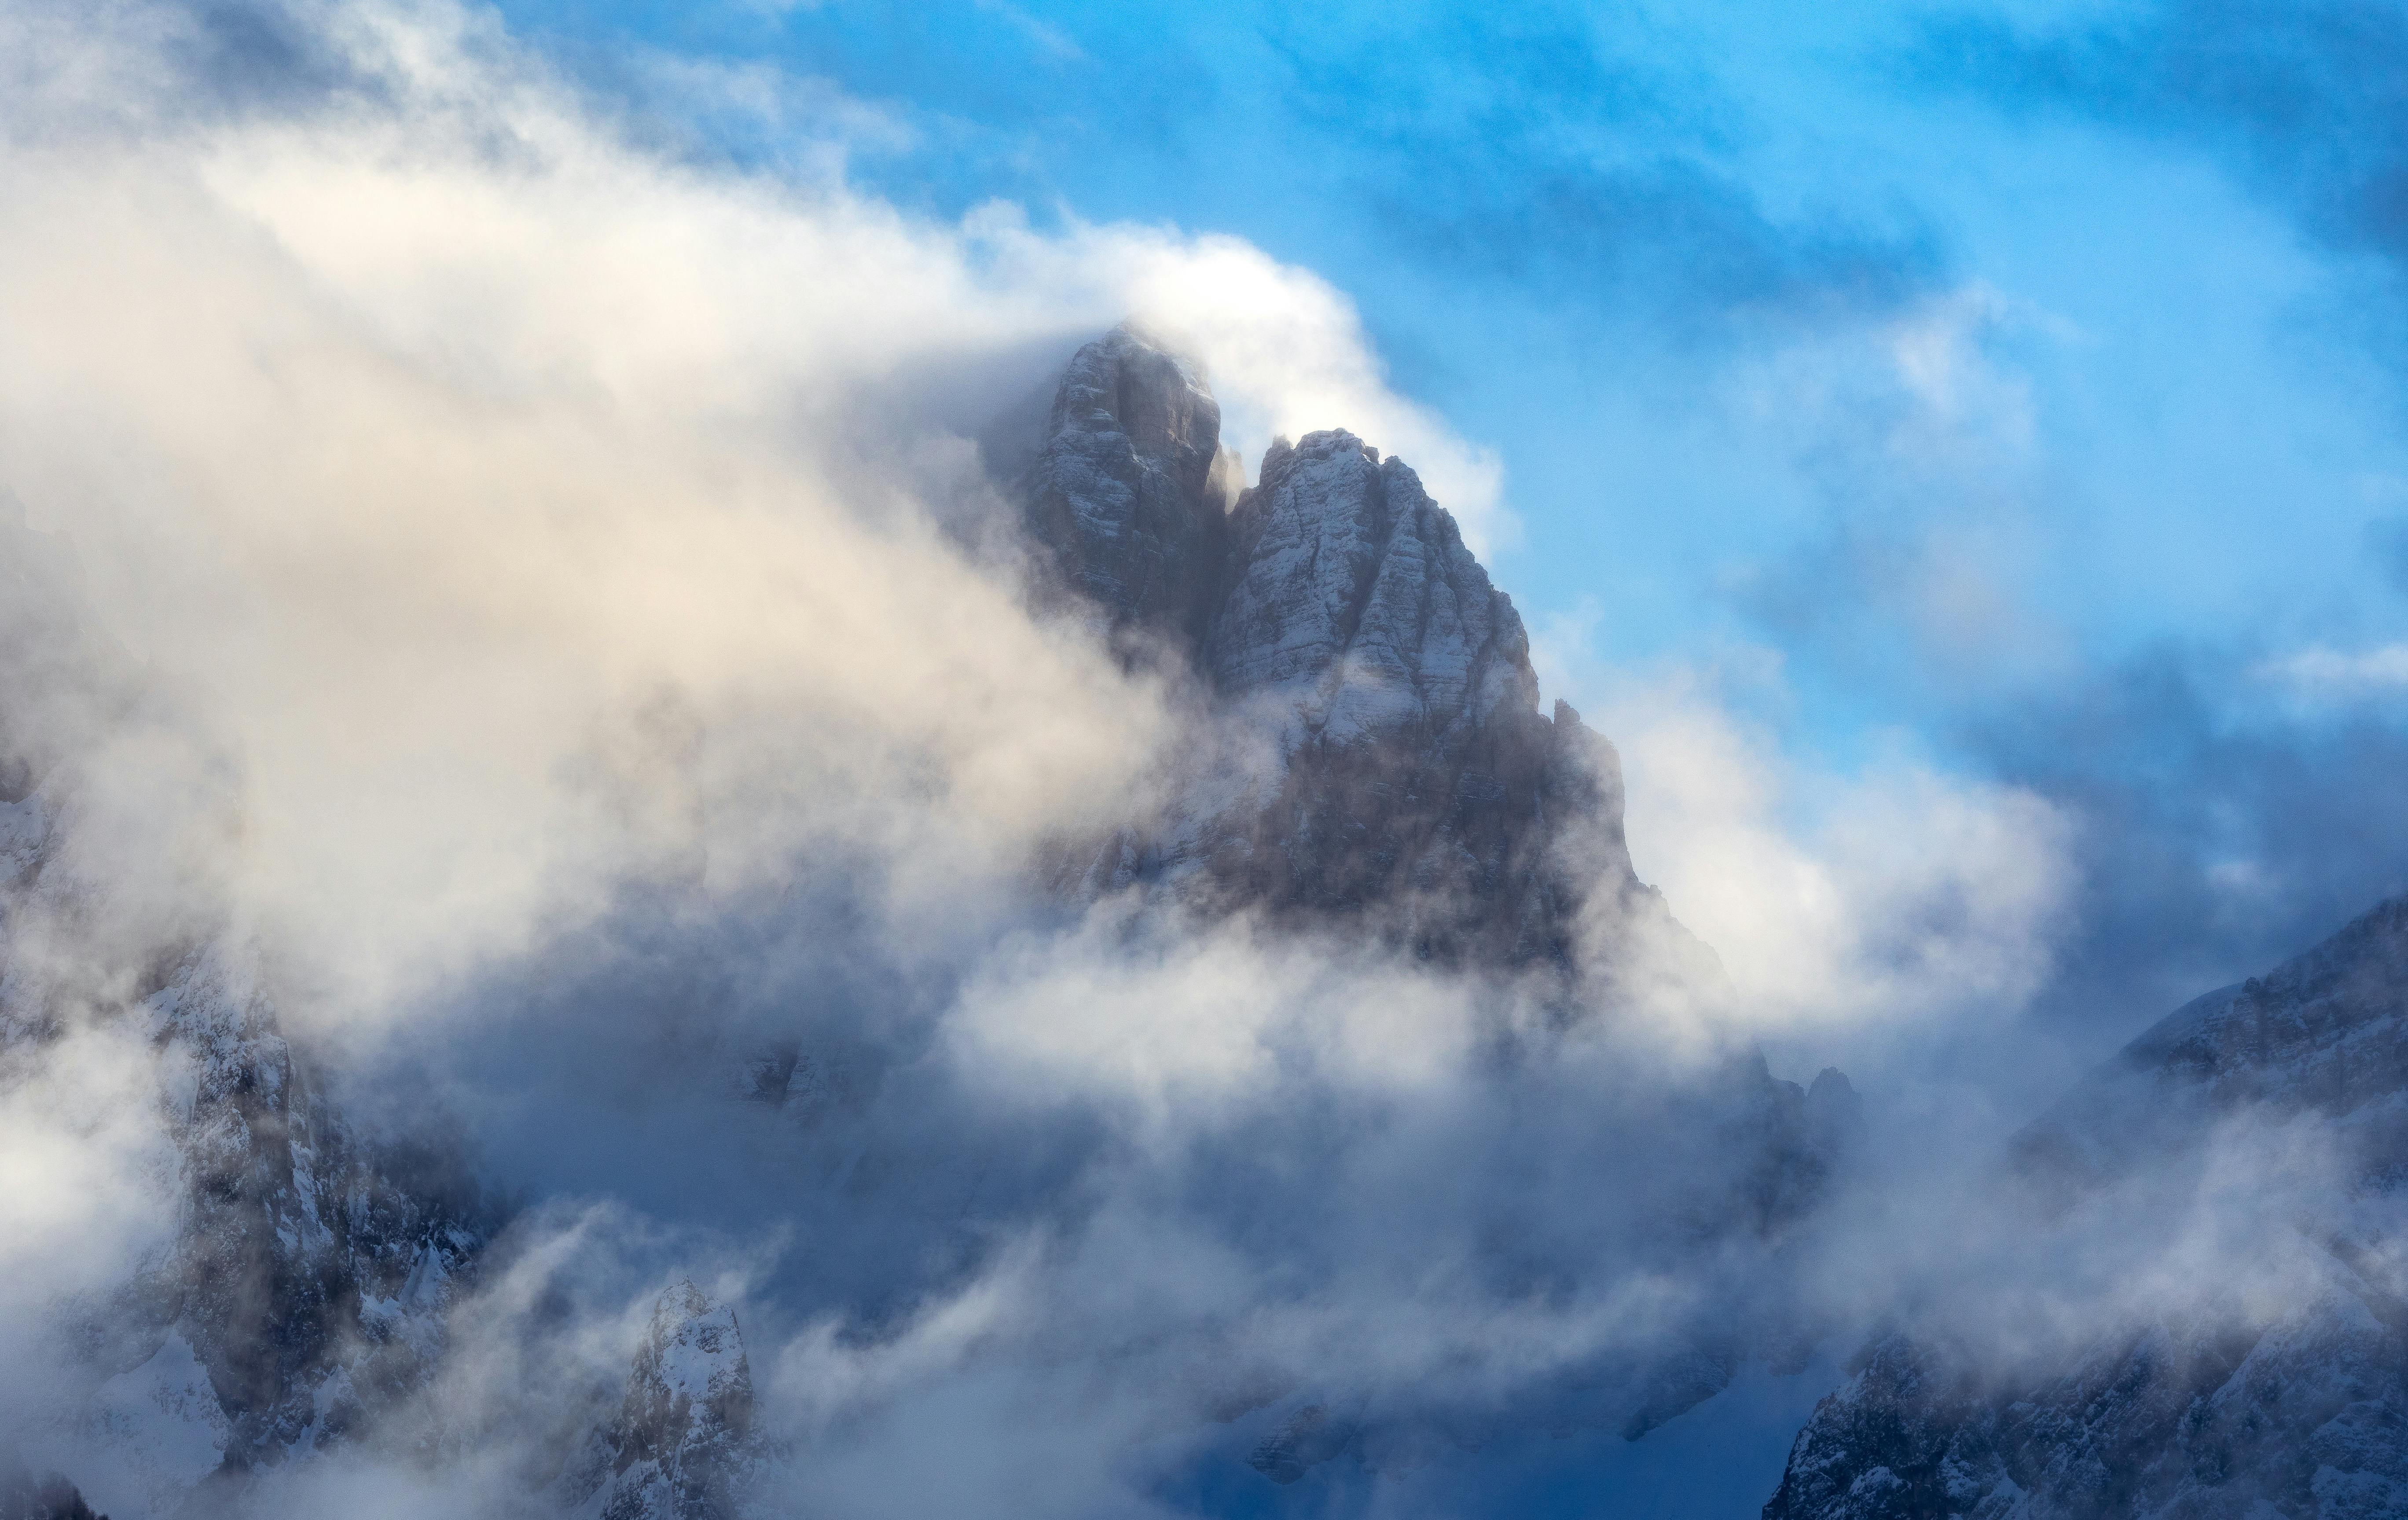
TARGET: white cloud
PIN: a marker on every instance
(465, 471)
(1893, 893)
(86, 1185)
(1963, 396)
(2321, 676)
(1177, 1018)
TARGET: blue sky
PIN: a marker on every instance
(2022, 382)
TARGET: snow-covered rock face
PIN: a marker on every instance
(1335, 614)
(2221, 1402)
(682, 1446)
(2298, 1417)
(2326, 1034)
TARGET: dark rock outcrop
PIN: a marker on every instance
(312, 1270)
(50, 1497)
(1125, 493)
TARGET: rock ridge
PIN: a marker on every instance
(309, 1269)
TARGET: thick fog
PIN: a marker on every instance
(541, 608)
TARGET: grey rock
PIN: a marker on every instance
(2326, 1033)
(309, 1279)
(1356, 598)
(1124, 494)
(49, 1496)
(2222, 1416)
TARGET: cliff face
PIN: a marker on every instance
(2281, 1392)
(1334, 610)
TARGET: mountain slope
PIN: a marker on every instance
(2282, 1389)
(681, 1447)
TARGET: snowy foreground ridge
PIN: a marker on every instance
(1377, 774)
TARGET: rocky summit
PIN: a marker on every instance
(1377, 770)
(1406, 781)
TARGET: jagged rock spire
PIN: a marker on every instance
(1128, 492)
(1354, 589)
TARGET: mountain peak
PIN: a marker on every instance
(1335, 608)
